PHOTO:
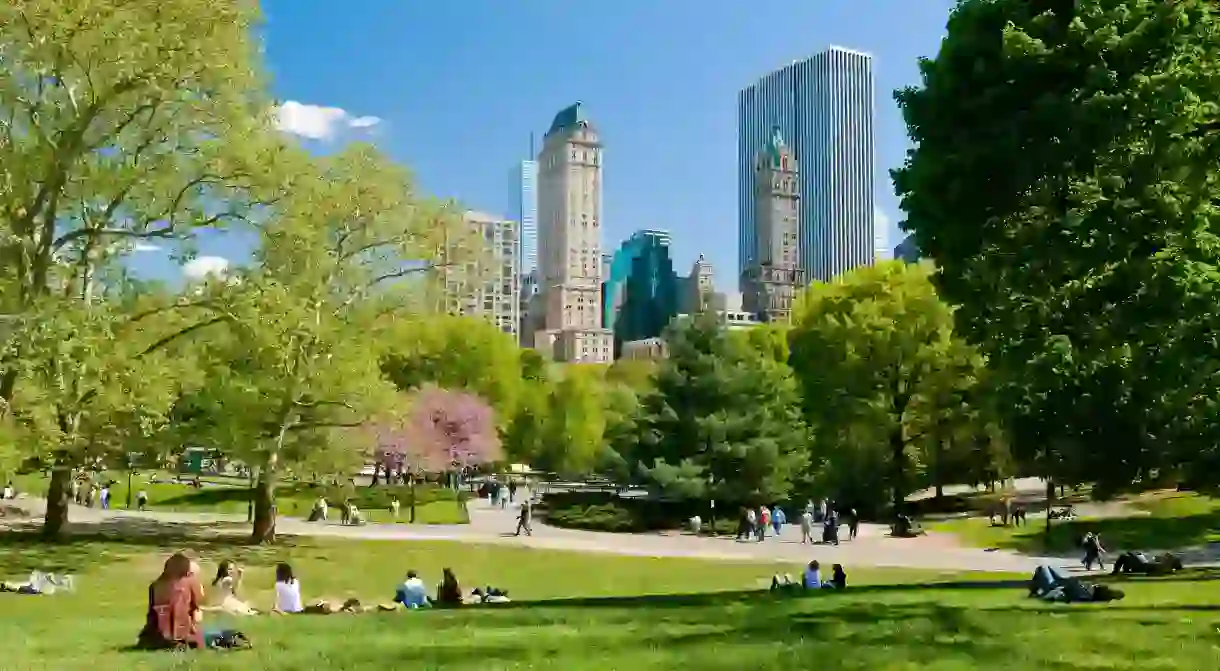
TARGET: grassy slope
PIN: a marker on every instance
(1166, 520)
(231, 495)
(875, 627)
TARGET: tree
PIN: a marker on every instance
(723, 420)
(329, 272)
(866, 348)
(123, 124)
(456, 352)
(573, 435)
(443, 431)
(1062, 170)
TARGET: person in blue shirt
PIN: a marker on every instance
(778, 519)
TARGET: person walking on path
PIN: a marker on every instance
(1093, 551)
(512, 491)
(524, 519)
(764, 521)
(503, 495)
(778, 519)
(807, 526)
(142, 501)
(853, 524)
(751, 522)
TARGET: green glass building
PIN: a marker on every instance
(641, 292)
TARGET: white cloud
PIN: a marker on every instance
(147, 247)
(316, 122)
(205, 266)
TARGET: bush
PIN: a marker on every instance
(606, 511)
(603, 517)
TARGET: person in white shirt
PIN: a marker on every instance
(807, 527)
(223, 595)
(9, 493)
(287, 590)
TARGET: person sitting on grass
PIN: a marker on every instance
(224, 590)
(174, 614)
(448, 593)
(838, 577)
(813, 576)
(288, 597)
(412, 593)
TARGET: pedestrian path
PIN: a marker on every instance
(496, 526)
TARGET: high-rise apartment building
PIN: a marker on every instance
(488, 287)
(823, 106)
(523, 201)
(569, 240)
(774, 274)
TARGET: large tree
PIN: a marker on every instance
(121, 124)
(335, 253)
(1063, 179)
(723, 420)
(870, 349)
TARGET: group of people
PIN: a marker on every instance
(812, 579)
(178, 601)
(349, 512)
(754, 523)
(499, 493)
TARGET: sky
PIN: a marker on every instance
(454, 89)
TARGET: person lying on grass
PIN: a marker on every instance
(1137, 562)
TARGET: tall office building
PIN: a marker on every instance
(569, 240)
(523, 201)
(641, 292)
(490, 287)
(774, 274)
(823, 106)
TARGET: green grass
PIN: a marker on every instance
(1165, 520)
(600, 612)
(229, 495)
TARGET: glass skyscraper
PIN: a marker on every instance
(640, 294)
(823, 105)
(523, 198)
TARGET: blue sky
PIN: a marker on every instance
(457, 87)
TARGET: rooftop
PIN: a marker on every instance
(569, 117)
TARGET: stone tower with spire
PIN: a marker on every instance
(770, 283)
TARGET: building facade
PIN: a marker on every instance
(490, 286)
(569, 241)
(774, 274)
(824, 108)
(641, 292)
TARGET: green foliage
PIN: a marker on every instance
(459, 353)
(573, 431)
(1063, 179)
(723, 420)
(880, 369)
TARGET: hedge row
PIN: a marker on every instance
(605, 511)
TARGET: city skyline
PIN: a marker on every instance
(823, 106)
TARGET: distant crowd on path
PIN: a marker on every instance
(83, 491)
(753, 523)
(499, 493)
(178, 602)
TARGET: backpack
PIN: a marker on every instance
(228, 639)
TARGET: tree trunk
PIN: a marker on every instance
(264, 503)
(57, 501)
(412, 499)
(898, 454)
(1050, 501)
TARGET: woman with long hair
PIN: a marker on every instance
(174, 614)
(224, 590)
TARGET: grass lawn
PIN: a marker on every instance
(222, 494)
(1166, 519)
(576, 612)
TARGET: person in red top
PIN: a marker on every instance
(174, 599)
(764, 522)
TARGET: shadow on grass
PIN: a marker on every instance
(91, 545)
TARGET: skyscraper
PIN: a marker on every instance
(641, 291)
(569, 240)
(523, 201)
(823, 106)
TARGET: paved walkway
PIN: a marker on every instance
(493, 525)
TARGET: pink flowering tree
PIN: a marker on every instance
(445, 431)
